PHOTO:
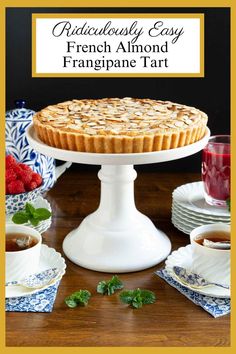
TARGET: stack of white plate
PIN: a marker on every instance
(189, 209)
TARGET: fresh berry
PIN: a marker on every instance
(20, 177)
(25, 176)
(10, 175)
(10, 161)
(37, 178)
(16, 187)
(30, 186)
(25, 167)
(17, 170)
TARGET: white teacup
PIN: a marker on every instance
(212, 264)
(21, 263)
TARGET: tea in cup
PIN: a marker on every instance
(23, 245)
(211, 252)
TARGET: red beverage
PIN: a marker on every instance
(216, 170)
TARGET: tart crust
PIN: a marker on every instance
(114, 125)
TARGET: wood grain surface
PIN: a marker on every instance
(172, 321)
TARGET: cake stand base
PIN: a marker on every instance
(116, 238)
(139, 247)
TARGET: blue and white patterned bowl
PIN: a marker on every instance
(16, 202)
(16, 144)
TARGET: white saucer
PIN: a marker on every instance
(191, 197)
(40, 202)
(197, 216)
(181, 227)
(183, 258)
(49, 258)
(190, 222)
(186, 222)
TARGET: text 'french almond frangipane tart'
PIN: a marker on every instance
(119, 125)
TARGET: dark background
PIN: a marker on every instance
(211, 94)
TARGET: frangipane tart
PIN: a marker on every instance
(119, 125)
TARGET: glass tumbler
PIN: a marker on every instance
(216, 170)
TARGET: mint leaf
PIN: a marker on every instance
(110, 286)
(70, 302)
(29, 208)
(21, 217)
(42, 214)
(34, 221)
(137, 298)
(31, 214)
(78, 298)
(102, 287)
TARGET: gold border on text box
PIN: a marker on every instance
(200, 16)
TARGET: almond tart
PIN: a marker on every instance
(119, 125)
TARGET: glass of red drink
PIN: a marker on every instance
(216, 170)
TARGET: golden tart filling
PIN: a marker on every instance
(119, 125)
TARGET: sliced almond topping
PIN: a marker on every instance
(90, 131)
(170, 125)
(125, 116)
(179, 123)
(162, 126)
(91, 124)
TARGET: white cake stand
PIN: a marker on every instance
(116, 238)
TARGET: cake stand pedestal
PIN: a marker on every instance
(116, 238)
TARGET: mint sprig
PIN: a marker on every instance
(110, 286)
(137, 298)
(31, 214)
(78, 298)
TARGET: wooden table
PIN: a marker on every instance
(172, 321)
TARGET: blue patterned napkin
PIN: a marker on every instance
(215, 306)
(41, 301)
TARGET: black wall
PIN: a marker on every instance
(210, 94)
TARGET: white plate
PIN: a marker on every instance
(40, 202)
(198, 216)
(180, 226)
(49, 258)
(183, 258)
(185, 219)
(191, 197)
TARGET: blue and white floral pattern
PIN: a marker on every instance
(42, 301)
(37, 280)
(193, 279)
(215, 306)
(16, 202)
(17, 120)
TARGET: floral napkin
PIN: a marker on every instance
(215, 306)
(42, 301)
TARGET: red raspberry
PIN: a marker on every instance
(37, 178)
(16, 187)
(25, 176)
(25, 167)
(7, 191)
(30, 186)
(10, 161)
(10, 175)
(17, 169)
